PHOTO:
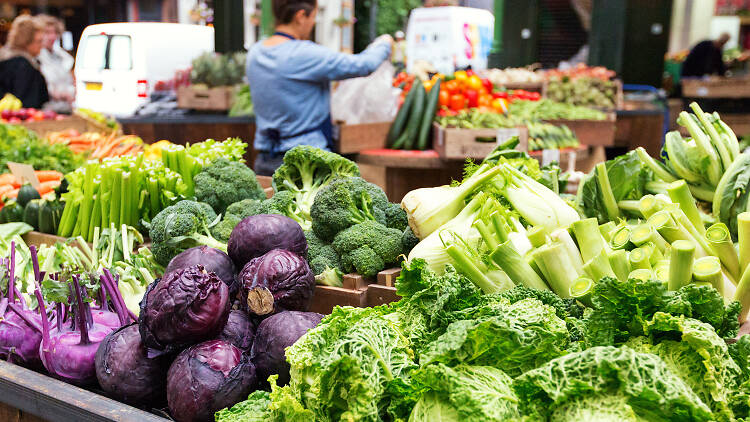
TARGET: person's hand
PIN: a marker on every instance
(385, 38)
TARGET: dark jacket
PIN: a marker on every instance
(19, 77)
(704, 59)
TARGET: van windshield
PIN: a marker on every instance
(103, 51)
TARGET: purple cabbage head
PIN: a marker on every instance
(206, 378)
(126, 373)
(213, 260)
(183, 308)
(239, 331)
(273, 336)
(277, 281)
(258, 234)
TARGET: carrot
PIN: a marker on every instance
(7, 178)
(47, 187)
(47, 175)
(5, 188)
(12, 194)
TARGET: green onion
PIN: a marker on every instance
(681, 264)
(641, 274)
(610, 204)
(589, 239)
(720, 240)
(598, 267)
(618, 260)
(620, 238)
(646, 233)
(581, 289)
(554, 261)
(507, 258)
(639, 259)
(537, 236)
(680, 194)
(708, 269)
(743, 239)
(606, 230)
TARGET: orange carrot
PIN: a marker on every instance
(47, 187)
(5, 188)
(12, 194)
(7, 178)
(47, 175)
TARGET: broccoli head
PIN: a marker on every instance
(245, 208)
(284, 203)
(395, 217)
(306, 170)
(320, 254)
(346, 202)
(178, 227)
(408, 240)
(368, 247)
(223, 229)
(225, 182)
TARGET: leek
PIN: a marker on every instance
(588, 237)
(509, 260)
(724, 154)
(581, 290)
(714, 169)
(681, 264)
(639, 259)
(720, 240)
(646, 233)
(663, 222)
(654, 254)
(555, 264)
(661, 270)
(630, 205)
(708, 269)
(598, 267)
(658, 168)
(641, 274)
(620, 238)
(618, 260)
(676, 149)
(743, 239)
(606, 230)
(649, 205)
(680, 194)
(701, 244)
(563, 238)
(608, 197)
(742, 294)
(537, 236)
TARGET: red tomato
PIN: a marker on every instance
(500, 94)
(458, 102)
(535, 96)
(451, 86)
(444, 98)
(488, 85)
(473, 97)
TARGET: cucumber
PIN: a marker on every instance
(415, 117)
(397, 127)
(26, 194)
(31, 213)
(429, 116)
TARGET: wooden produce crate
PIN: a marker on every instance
(27, 396)
(266, 183)
(351, 139)
(619, 94)
(592, 132)
(459, 144)
(78, 123)
(38, 239)
(357, 291)
(716, 87)
(218, 98)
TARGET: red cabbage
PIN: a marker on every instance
(206, 378)
(258, 234)
(277, 281)
(183, 308)
(239, 331)
(213, 260)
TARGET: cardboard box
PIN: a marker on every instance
(459, 144)
(351, 139)
(217, 98)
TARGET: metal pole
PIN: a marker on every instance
(266, 19)
(373, 24)
(493, 61)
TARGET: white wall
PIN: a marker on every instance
(691, 23)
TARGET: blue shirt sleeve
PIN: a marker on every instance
(320, 64)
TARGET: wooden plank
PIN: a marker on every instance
(355, 281)
(326, 298)
(716, 87)
(592, 132)
(428, 159)
(388, 277)
(360, 137)
(54, 400)
(459, 144)
(380, 295)
(217, 98)
(373, 174)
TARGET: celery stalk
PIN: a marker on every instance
(639, 258)
(88, 199)
(469, 269)
(537, 236)
(556, 265)
(618, 260)
(588, 237)
(581, 290)
(680, 194)
(499, 225)
(125, 196)
(598, 267)
(708, 269)
(681, 264)
(96, 221)
(610, 204)
(114, 206)
(606, 230)
(641, 274)
(721, 244)
(508, 259)
(743, 240)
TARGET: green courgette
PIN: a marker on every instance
(50, 213)
(12, 212)
(31, 213)
(397, 127)
(429, 116)
(415, 118)
(26, 194)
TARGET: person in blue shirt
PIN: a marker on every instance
(289, 78)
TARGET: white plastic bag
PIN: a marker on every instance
(370, 99)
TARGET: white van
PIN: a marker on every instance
(117, 64)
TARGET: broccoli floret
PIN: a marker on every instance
(320, 254)
(208, 213)
(408, 240)
(245, 208)
(306, 170)
(368, 247)
(223, 229)
(344, 203)
(395, 217)
(225, 182)
(284, 203)
(179, 227)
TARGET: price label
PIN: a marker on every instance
(550, 155)
(702, 91)
(503, 134)
(24, 173)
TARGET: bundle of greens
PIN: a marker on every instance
(20, 145)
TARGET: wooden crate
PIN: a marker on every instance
(218, 98)
(357, 291)
(716, 87)
(592, 132)
(351, 139)
(266, 184)
(619, 95)
(38, 239)
(75, 122)
(459, 144)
